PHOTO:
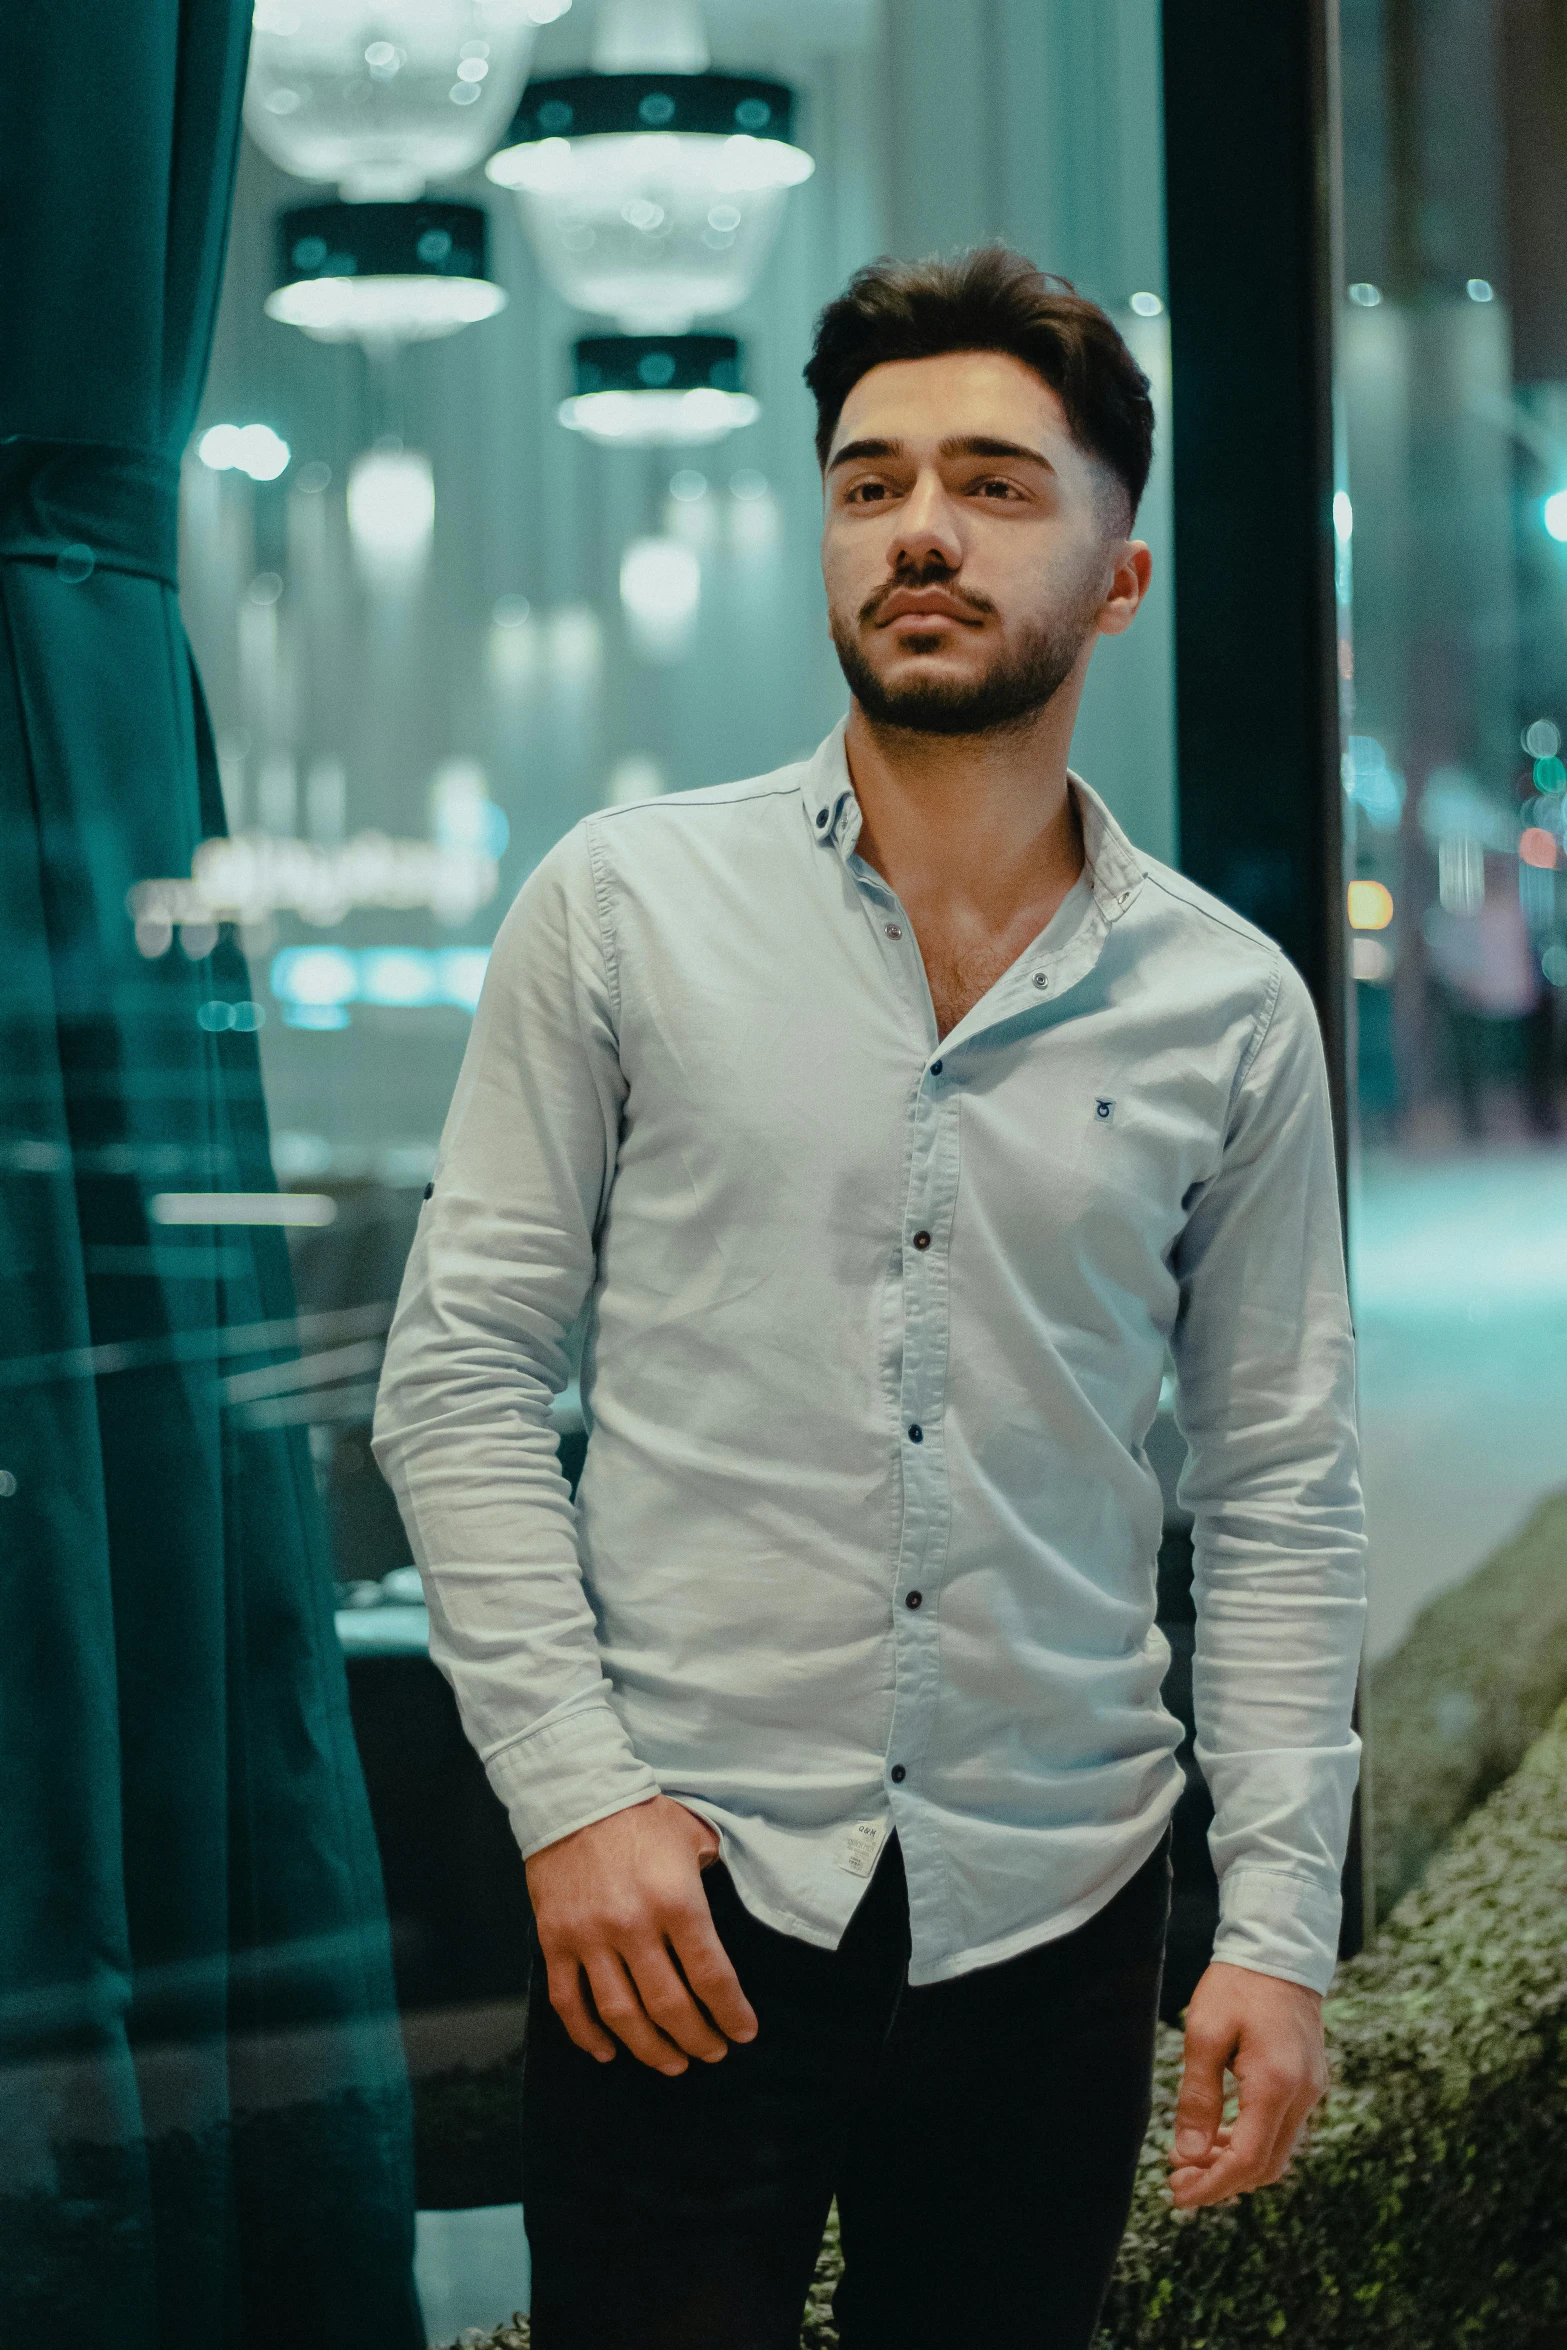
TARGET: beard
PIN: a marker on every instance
(1020, 679)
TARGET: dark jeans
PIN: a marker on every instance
(981, 2136)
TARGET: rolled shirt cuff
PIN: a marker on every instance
(1279, 1925)
(565, 1774)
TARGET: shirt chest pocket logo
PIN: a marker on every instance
(1104, 1109)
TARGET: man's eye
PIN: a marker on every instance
(866, 493)
(997, 489)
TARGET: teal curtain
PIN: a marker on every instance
(203, 2114)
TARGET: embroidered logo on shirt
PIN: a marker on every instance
(1104, 1109)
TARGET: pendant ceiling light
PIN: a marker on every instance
(651, 187)
(383, 274)
(383, 95)
(650, 391)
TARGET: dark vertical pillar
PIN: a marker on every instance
(1251, 187)
(1252, 172)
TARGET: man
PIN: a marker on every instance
(894, 1117)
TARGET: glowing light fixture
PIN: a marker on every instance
(1555, 514)
(644, 391)
(244, 448)
(1370, 905)
(652, 188)
(1480, 289)
(1365, 295)
(1147, 305)
(383, 95)
(383, 274)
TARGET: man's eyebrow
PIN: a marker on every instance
(981, 445)
(957, 445)
(853, 451)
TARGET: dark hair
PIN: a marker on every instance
(989, 300)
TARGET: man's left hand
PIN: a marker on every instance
(1269, 2034)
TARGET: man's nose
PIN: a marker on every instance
(927, 534)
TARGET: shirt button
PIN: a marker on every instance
(893, 931)
(916, 1434)
(821, 815)
(935, 1068)
(922, 1240)
(914, 1599)
(897, 1774)
(1041, 979)
(429, 1191)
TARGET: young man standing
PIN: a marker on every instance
(896, 1116)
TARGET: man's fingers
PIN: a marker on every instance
(1200, 2106)
(670, 2005)
(565, 1989)
(1255, 2154)
(615, 1998)
(706, 1966)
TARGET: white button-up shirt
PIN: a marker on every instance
(875, 1333)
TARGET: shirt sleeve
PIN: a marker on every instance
(502, 1262)
(1265, 1365)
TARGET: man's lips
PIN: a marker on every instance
(925, 604)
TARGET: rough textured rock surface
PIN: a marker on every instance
(1456, 1707)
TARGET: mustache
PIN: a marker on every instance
(924, 575)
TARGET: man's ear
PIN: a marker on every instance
(1128, 586)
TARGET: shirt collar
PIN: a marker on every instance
(1114, 869)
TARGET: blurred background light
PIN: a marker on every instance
(1538, 847)
(1542, 739)
(383, 95)
(1550, 775)
(391, 510)
(1555, 514)
(244, 448)
(1366, 295)
(1480, 289)
(660, 588)
(634, 778)
(1370, 905)
(651, 188)
(1371, 960)
(1372, 784)
(462, 814)
(308, 981)
(1147, 305)
(1460, 874)
(574, 645)
(646, 390)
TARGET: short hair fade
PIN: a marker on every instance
(989, 300)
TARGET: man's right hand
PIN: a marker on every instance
(628, 1938)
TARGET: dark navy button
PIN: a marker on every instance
(935, 1068)
(429, 1191)
(914, 1599)
(821, 815)
(922, 1240)
(916, 1434)
(898, 1774)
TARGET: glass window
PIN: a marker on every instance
(1454, 386)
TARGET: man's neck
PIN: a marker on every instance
(982, 824)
